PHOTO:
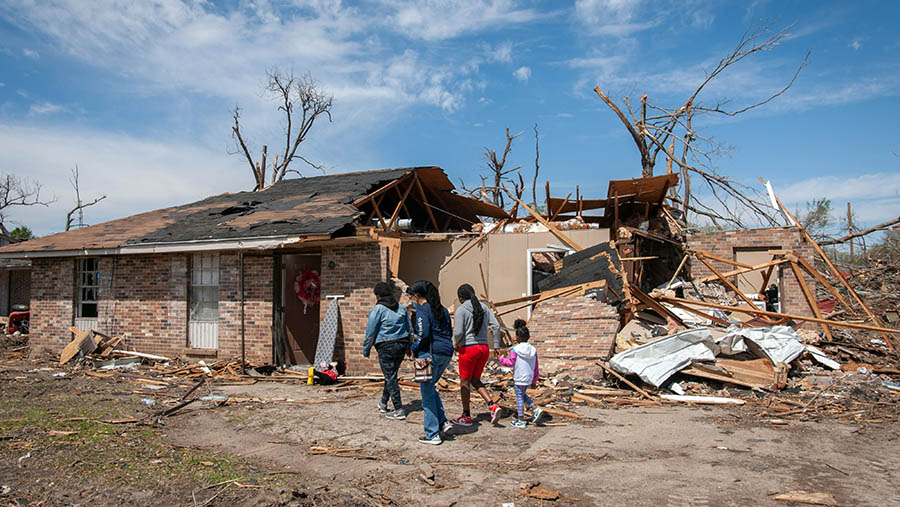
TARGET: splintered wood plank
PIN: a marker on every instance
(71, 350)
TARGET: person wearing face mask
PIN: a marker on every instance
(434, 340)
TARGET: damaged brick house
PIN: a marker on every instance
(216, 278)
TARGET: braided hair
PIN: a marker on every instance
(465, 292)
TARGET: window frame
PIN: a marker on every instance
(207, 275)
(81, 286)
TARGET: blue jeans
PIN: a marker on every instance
(431, 400)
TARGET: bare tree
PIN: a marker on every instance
(302, 102)
(79, 204)
(653, 127)
(15, 191)
(497, 169)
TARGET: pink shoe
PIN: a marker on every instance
(462, 420)
(495, 413)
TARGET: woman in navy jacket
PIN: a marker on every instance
(435, 340)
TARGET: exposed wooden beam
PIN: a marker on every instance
(836, 272)
(556, 232)
(809, 297)
(400, 204)
(818, 276)
(754, 311)
(383, 189)
(741, 271)
(425, 202)
(561, 206)
(739, 293)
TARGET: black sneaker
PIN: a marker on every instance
(398, 414)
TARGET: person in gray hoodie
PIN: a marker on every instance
(473, 320)
(389, 329)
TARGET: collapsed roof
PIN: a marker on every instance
(318, 206)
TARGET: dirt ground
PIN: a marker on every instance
(65, 440)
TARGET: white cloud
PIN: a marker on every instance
(136, 175)
(183, 46)
(445, 19)
(30, 53)
(523, 73)
(613, 17)
(875, 197)
(856, 44)
(502, 53)
(45, 108)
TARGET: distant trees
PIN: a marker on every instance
(302, 102)
(816, 218)
(21, 233)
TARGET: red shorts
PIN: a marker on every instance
(472, 360)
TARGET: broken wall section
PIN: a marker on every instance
(573, 332)
(737, 244)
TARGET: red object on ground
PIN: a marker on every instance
(826, 305)
(16, 321)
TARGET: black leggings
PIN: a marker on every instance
(390, 357)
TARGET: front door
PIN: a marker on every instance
(301, 319)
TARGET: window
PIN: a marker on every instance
(205, 287)
(88, 285)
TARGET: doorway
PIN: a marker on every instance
(301, 321)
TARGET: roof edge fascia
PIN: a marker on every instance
(267, 243)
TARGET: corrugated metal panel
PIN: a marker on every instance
(204, 334)
(83, 324)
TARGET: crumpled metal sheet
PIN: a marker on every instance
(781, 344)
(656, 361)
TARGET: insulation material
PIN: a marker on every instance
(822, 358)
(656, 361)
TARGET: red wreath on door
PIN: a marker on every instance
(308, 287)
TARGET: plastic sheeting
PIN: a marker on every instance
(656, 361)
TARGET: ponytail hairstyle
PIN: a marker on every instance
(522, 333)
(427, 290)
(465, 292)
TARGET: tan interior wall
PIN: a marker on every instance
(502, 256)
(749, 283)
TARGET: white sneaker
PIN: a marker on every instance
(382, 407)
(447, 427)
(432, 441)
(537, 414)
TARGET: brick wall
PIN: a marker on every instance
(570, 331)
(357, 268)
(724, 243)
(144, 299)
(52, 289)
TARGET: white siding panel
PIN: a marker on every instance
(83, 324)
(204, 334)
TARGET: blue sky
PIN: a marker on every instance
(139, 94)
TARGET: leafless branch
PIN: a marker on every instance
(15, 191)
(652, 133)
(302, 102)
(537, 167)
(79, 204)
